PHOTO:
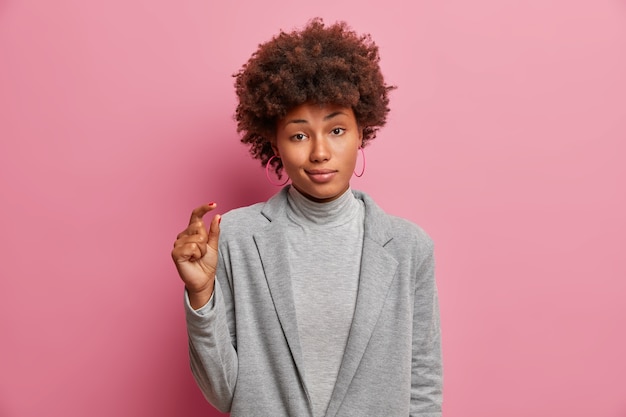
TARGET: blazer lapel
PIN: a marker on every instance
(378, 269)
(272, 248)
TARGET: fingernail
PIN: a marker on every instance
(211, 203)
(219, 220)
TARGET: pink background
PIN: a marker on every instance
(506, 143)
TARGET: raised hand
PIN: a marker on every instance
(195, 255)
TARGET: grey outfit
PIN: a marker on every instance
(245, 346)
(324, 241)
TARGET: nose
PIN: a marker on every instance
(320, 151)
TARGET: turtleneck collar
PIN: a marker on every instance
(333, 213)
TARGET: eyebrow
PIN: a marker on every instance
(327, 117)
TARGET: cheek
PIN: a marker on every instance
(350, 155)
(291, 159)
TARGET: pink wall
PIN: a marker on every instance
(506, 143)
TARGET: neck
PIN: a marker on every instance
(336, 212)
(322, 200)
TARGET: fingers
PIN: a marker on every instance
(199, 240)
(193, 243)
(196, 224)
(214, 232)
(188, 251)
(196, 228)
(199, 212)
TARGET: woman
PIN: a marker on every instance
(316, 302)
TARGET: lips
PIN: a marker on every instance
(321, 175)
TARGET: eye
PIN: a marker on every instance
(298, 137)
(338, 131)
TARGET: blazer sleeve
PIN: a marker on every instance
(427, 375)
(212, 349)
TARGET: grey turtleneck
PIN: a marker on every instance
(325, 242)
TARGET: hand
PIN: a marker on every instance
(195, 255)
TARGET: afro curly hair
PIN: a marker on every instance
(319, 64)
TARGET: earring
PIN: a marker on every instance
(267, 173)
(363, 170)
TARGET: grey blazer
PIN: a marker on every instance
(244, 347)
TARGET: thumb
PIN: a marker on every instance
(214, 232)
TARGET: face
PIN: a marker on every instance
(318, 146)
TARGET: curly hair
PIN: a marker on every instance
(319, 64)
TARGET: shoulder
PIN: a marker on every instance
(248, 219)
(409, 232)
(401, 232)
(242, 219)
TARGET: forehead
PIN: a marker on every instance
(316, 112)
